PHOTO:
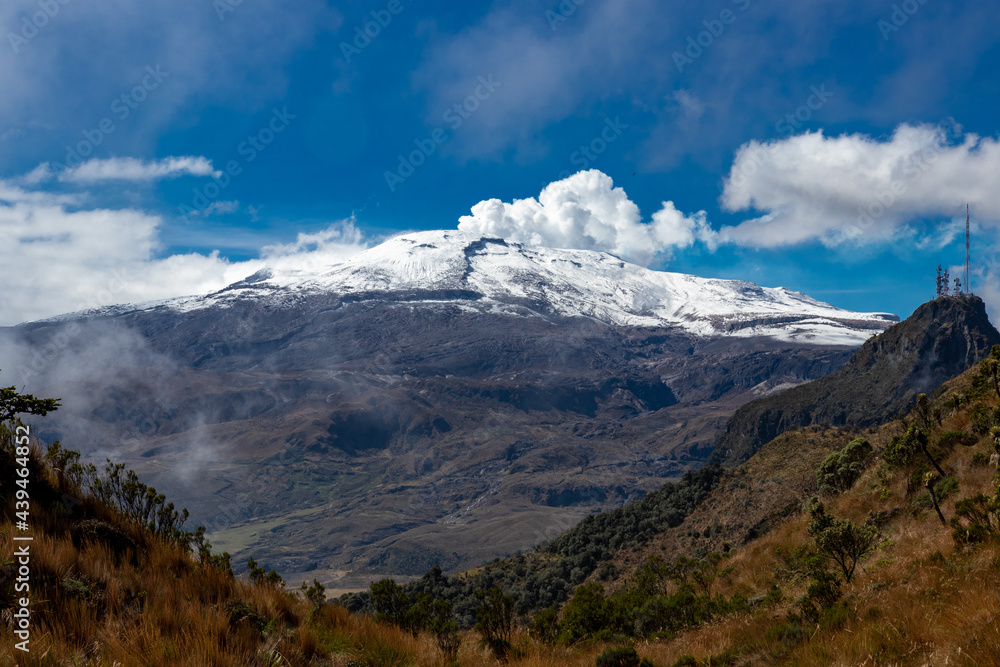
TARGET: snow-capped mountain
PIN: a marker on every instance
(441, 397)
(490, 274)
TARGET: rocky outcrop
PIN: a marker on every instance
(938, 341)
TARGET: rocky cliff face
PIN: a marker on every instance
(940, 340)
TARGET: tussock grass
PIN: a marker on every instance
(919, 600)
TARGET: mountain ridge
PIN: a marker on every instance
(495, 275)
(938, 341)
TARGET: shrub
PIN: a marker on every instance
(839, 471)
(989, 371)
(622, 656)
(241, 613)
(586, 614)
(315, 593)
(443, 626)
(495, 620)
(945, 487)
(983, 419)
(545, 625)
(260, 576)
(947, 440)
(976, 519)
(840, 540)
(391, 603)
(901, 448)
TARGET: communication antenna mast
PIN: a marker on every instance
(967, 261)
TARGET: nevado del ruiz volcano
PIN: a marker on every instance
(440, 398)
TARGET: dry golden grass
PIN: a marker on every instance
(917, 601)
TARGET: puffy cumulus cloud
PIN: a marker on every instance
(585, 211)
(132, 169)
(59, 257)
(856, 189)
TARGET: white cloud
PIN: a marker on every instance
(853, 188)
(689, 105)
(587, 212)
(58, 258)
(224, 207)
(133, 169)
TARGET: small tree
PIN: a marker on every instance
(901, 449)
(445, 629)
(586, 613)
(495, 620)
(390, 602)
(315, 593)
(13, 403)
(259, 576)
(841, 540)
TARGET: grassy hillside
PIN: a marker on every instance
(827, 547)
(746, 578)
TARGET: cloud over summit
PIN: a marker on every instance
(585, 211)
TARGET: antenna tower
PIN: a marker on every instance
(967, 262)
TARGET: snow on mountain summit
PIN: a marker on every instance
(501, 276)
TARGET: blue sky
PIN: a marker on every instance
(149, 149)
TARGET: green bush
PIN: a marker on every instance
(945, 487)
(545, 625)
(495, 620)
(622, 656)
(841, 540)
(977, 519)
(947, 440)
(839, 471)
(984, 418)
(316, 593)
(586, 614)
(391, 603)
(900, 450)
